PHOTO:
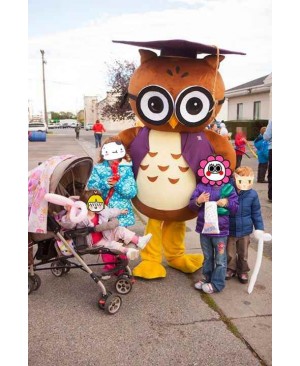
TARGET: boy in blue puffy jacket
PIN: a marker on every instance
(241, 224)
(262, 147)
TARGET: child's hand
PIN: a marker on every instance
(68, 208)
(111, 181)
(204, 197)
(124, 212)
(223, 202)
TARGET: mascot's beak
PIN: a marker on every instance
(173, 121)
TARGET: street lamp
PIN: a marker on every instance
(44, 87)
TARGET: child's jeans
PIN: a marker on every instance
(215, 260)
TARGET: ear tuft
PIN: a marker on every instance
(211, 60)
(147, 55)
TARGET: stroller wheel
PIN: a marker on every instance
(123, 285)
(57, 271)
(30, 284)
(112, 304)
(36, 281)
(67, 267)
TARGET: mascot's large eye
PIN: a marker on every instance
(194, 106)
(155, 105)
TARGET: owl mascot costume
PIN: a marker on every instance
(175, 95)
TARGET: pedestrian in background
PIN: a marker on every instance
(262, 148)
(214, 126)
(98, 129)
(77, 130)
(268, 137)
(240, 146)
(223, 130)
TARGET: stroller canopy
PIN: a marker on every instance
(66, 175)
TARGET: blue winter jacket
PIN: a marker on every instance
(124, 190)
(262, 147)
(215, 195)
(247, 216)
(268, 134)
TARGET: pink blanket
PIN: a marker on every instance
(38, 186)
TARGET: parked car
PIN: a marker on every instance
(53, 125)
(73, 124)
(37, 126)
(68, 123)
(88, 126)
(64, 124)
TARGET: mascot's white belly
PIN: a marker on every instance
(164, 180)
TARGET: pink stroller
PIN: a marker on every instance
(67, 176)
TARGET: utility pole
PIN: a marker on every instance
(44, 88)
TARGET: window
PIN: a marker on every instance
(239, 112)
(256, 110)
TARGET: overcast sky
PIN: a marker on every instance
(77, 40)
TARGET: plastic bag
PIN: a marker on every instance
(211, 222)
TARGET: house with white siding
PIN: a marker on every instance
(251, 100)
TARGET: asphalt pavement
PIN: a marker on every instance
(161, 322)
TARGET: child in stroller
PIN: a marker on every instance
(97, 215)
(66, 176)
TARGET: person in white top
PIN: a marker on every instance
(223, 130)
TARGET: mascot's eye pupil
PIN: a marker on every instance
(211, 168)
(155, 105)
(194, 106)
(218, 168)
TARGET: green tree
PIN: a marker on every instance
(62, 115)
(80, 116)
(119, 74)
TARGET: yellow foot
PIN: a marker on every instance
(188, 263)
(149, 270)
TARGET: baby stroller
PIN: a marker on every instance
(66, 176)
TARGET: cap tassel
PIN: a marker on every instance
(215, 81)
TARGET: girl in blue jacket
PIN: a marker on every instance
(113, 177)
(117, 190)
(241, 225)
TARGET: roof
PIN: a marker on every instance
(250, 84)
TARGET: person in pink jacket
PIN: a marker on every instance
(98, 214)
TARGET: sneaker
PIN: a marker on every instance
(243, 278)
(208, 288)
(143, 241)
(229, 274)
(132, 253)
(198, 285)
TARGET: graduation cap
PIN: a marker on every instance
(180, 48)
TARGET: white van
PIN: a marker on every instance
(37, 126)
